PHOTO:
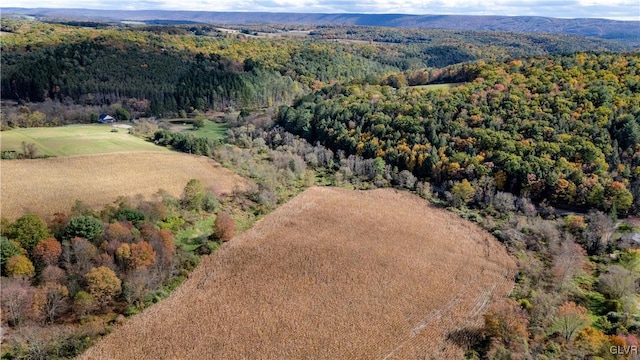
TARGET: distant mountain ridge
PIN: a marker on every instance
(624, 31)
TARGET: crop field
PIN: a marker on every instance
(45, 186)
(332, 274)
(75, 140)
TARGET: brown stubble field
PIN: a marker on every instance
(45, 186)
(332, 274)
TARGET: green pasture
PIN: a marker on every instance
(75, 140)
(210, 130)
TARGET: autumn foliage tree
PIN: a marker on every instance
(224, 227)
(118, 231)
(103, 284)
(123, 255)
(505, 325)
(142, 255)
(48, 251)
(50, 301)
(8, 248)
(462, 192)
(164, 245)
(570, 319)
(20, 266)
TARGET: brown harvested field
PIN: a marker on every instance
(44, 186)
(332, 274)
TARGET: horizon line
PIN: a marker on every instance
(315, 13)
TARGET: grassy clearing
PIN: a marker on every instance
(44, 186)
(332, 274)
(75, 140)
(210, 130)
(437, 86)
(189, 238)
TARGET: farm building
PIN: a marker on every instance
(106, 119)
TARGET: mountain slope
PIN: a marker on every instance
(626, 31)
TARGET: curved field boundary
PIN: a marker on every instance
(333, 274)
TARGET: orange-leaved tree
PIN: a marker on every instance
(48, 251)
(142, 255)
(570, 319)
(506, 325)
(224, 227)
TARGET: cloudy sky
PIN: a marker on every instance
(610, 9)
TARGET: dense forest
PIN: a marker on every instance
(563, 130)
(199, 67)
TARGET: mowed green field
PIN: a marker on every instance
(75, 140)
(210, 130)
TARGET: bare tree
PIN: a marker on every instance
(16, 299)
(29, 150)
(597, 235)
(568, 261)
(50, 301)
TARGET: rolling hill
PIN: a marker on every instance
(626, 31)
(331, 274)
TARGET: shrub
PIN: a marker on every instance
(224, 227)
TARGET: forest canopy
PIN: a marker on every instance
(565, 129)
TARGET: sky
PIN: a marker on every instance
(608, 9)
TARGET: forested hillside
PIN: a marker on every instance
(199, 67)
(563, 129)
(172, 70)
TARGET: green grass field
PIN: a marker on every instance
(75, 140)
(436, 86)
(211, 129)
